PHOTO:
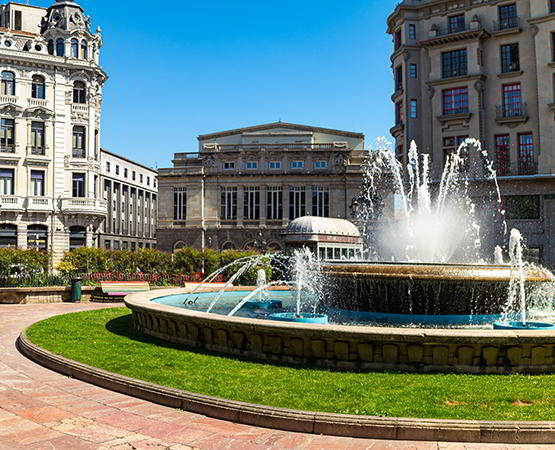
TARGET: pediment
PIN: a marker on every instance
(39, 111)
(10, 108)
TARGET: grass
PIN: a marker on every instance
(105, 339)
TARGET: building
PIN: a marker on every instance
(50, 105)
(131, 192)
(243, 186)
(483, 69)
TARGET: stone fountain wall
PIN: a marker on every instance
(341, 347)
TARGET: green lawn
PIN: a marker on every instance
(104, 339)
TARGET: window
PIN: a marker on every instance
(454, 63)
(38, 88)
(17, 20)
(274, 203)
(60, 47)
(8, 83)
(512, 100)
(50, 47)
(510, 59)
(37, 138)
(320, 164)
(79, 92)
(179, 203)
(297, 202)
(456, 23)
(125, 172)
(37, 183)
(141, 178)
(37, 237)
(412, 31)
(553, 46)
(397, 39)
(297, 164)
(450, 145)
(229, 166)
(508, 17)
(320, 201)
(108, 166)
(8, 235)
(522, 207)
(117, 169)
(252, 204)
(7, 181)
(274, 165)
(526, 158)
(133, 246)
(228, 204)
(125, 245)
(77, 237)
(455, 101)
(75, 48)
(399, 78)
(552, 6)
(413, 71)
(413, 109)
(250, 165)
(7, 135)
(79, 149)
(107, 245)
(399, 113)
(503, 154)
(84, 50)
(96, 144)
(78, 185)
(134, 176)
(148, 181)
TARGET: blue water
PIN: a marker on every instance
(201, 301)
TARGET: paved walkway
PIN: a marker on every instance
(40, 409)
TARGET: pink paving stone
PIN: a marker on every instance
(17, 425)
(127, 421)
(43, 414)
(34, 436)
(63, 443)
(187, 435)
(163, 430)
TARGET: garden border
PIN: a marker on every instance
(297, 421)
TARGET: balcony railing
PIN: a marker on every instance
(37, 151)
(78, 204)
(79, 153)
(452, 111)
(527, 167)
(39, 203)
(78, 107)
(292, 146)
(7, 148)
(8, 99)
(511, 111)
(38, 102)
(510, 23)
(11, 203)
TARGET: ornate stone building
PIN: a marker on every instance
(243, 186)
(483, 69)
(50, 105)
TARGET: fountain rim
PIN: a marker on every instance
(145, 301)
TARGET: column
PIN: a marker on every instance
(240, 205)
(263, 206)
(285, 194)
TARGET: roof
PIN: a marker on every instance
(128, 160)
(322, 225)
(290, 126)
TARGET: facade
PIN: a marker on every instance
(243, 187)
(131, 193)
(50, 105)
(483, 69)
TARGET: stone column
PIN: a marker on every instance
(285, 193)
(263, 206)
(240, 205)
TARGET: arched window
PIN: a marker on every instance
(79, 92)
(8, 83)
(8, 235)
(178, 246)
(37, 237)
(229, 246)
(74, 48)
(38, 89)
(51, 47)
(60, 47)
(84, 49)
(77, 237)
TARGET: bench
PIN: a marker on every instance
(116, 291)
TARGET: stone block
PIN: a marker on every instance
(181, 329)
(208, 335)
(537, 356)
(319, 348)
(465, 356)
(489, 356)
(255, 343)
(514, 354)
(239, 340)
(221, 338)
(172, 328)
(390, 354)
(440, 355)
(296, 346)
(366, 352)
(341, 350)
(276, 345)
(415, 354)
(162, 325)
(193, 332)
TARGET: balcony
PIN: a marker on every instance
(79, 108)
(8, 99)
(79, 153)
(39, 204)
(38, 102)
(11, 203)
(455, 115)
(444, 35)
(526, 167)
(209, 148)
(511, 114)
(7, 148)
(84, 205)
(398, 129)
(507, 25)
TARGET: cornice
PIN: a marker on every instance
(461, 79)
(541, 19)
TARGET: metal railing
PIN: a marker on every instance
(79, 153)
(7, 148)
(508, 23)
(515, 110)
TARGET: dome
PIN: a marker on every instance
(65, 16)
(322, 225)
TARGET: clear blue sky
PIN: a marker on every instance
(180, 69)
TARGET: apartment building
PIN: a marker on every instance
(483, 69)
(131, 193)
(242, 187)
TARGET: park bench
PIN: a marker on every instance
(116, 291)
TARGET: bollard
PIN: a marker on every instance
(76, 289)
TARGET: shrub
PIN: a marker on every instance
(14, 261)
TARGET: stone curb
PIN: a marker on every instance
(297, 421)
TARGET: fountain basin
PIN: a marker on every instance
(523, 326)
(264, 304)
(423, 289)
(301, 318)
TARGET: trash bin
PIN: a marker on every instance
(76, 289)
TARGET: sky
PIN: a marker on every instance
(180, 69)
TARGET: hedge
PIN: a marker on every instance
(23, 262)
